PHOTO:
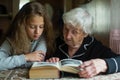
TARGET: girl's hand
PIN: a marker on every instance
(35, 56)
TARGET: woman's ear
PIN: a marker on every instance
(85, 34)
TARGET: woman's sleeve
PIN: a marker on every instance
(7, 60)
(113, 64)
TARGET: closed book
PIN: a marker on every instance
(44, 72)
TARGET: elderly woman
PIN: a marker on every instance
(79, 44)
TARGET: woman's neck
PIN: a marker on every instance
(72, 51)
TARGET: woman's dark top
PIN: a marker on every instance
(90, 49)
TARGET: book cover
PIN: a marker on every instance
(51, 70)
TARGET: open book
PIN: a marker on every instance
(67, 65)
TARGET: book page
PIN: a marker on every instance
(38, 64)
(70, 65)
(70, 62)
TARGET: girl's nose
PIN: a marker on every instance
(37, 30)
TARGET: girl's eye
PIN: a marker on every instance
(41, 26)
(32, 26)
(36, 26)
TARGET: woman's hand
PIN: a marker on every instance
(35, 56)
(53, 59)
(92, 67)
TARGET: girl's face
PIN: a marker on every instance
(73, 36)
(35, 27)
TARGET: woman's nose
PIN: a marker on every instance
(68, 35)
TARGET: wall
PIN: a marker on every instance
(5, 15)
(15, 7)
(115, 14)
(100, 10)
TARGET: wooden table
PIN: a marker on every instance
(22, 74)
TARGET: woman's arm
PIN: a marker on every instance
(113, 64)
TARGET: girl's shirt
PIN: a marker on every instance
(9, 61)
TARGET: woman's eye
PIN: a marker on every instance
(74, 32)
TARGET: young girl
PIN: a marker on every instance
(28, 39)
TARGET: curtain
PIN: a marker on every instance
(115, 26)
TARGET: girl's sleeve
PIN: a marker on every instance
(41, 45)
(7, 60)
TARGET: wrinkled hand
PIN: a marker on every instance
(53, 59)
(92, 67)
(35, 56)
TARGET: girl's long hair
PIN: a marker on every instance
(17, 34)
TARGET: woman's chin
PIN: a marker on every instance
(74, 46)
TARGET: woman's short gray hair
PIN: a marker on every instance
(81, 17)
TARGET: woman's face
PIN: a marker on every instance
(73, 36)
(35, 27)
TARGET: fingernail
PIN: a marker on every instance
(81, 69)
